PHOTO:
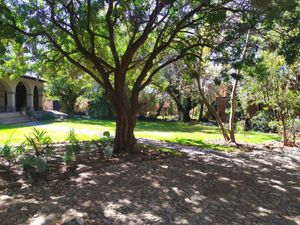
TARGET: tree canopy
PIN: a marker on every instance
(122, 45)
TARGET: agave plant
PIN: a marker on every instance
(39, 142)
(73, 148)
(7, 153)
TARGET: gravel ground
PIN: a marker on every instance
(207, 187)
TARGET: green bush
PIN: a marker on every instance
(39, 148)
(106, 145)
(6, 152)
(262, 121)
(100, 108)
(73, 148)
(39, 142)
(28, 162)
(11, 153)
(33, 162)
(87, 147)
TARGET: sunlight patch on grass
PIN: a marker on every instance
(176, 132)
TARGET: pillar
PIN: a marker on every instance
(40, 91)
(30, 102)
(11, 102)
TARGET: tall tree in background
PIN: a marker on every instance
(198, 67)
(118, 43)
(177, 83)
(275, 85)
(66, 90)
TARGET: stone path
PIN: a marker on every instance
(208, 187)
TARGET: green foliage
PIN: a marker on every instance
(283, 18)
(7, 153)
(275, 85)
(41, 164)
(106, 134)
(28, 162)
(262, 122)
(106, 145)
(66, 89)
(39, 148)
(241, 127)
(87, 147)
(39, 142)
(99, 106)
(10, 152)
(73, 142)
(68, 156)
(73, 147)
(31, 162)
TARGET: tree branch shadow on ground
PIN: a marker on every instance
(204, 190)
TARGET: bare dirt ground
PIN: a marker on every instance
(206, 187)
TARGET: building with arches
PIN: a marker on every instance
(24, 94)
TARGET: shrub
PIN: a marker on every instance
(100, 108)
(73, 148)
(261, 122)
(295, 128)
(68, 156)
(28, 162)
(106, 145)
(87, 147)
(11, 153)
(292, 128)
(240, 126)
(81, 105)
(39, 149)
(39, 142)
(37, 163)
(7, 153)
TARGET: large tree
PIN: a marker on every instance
(178, 85)
(121, 44)
(275, 85)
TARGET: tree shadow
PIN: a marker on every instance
(209, 189)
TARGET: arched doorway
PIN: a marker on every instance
(3, 98)
(35, 99)
(21, 97)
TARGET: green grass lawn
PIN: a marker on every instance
(168, 131)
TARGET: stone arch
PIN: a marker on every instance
(6, 86)
(3, 97)
(21, 96)
(8, 100)
(27, 85)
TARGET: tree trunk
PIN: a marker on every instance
(124, 138)
(284, 132)
(184, 106)
(201, 112)
(186, 116)
(213, 112)
(187, 108)
(161, 105)
(233, 93)
(232, 111)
